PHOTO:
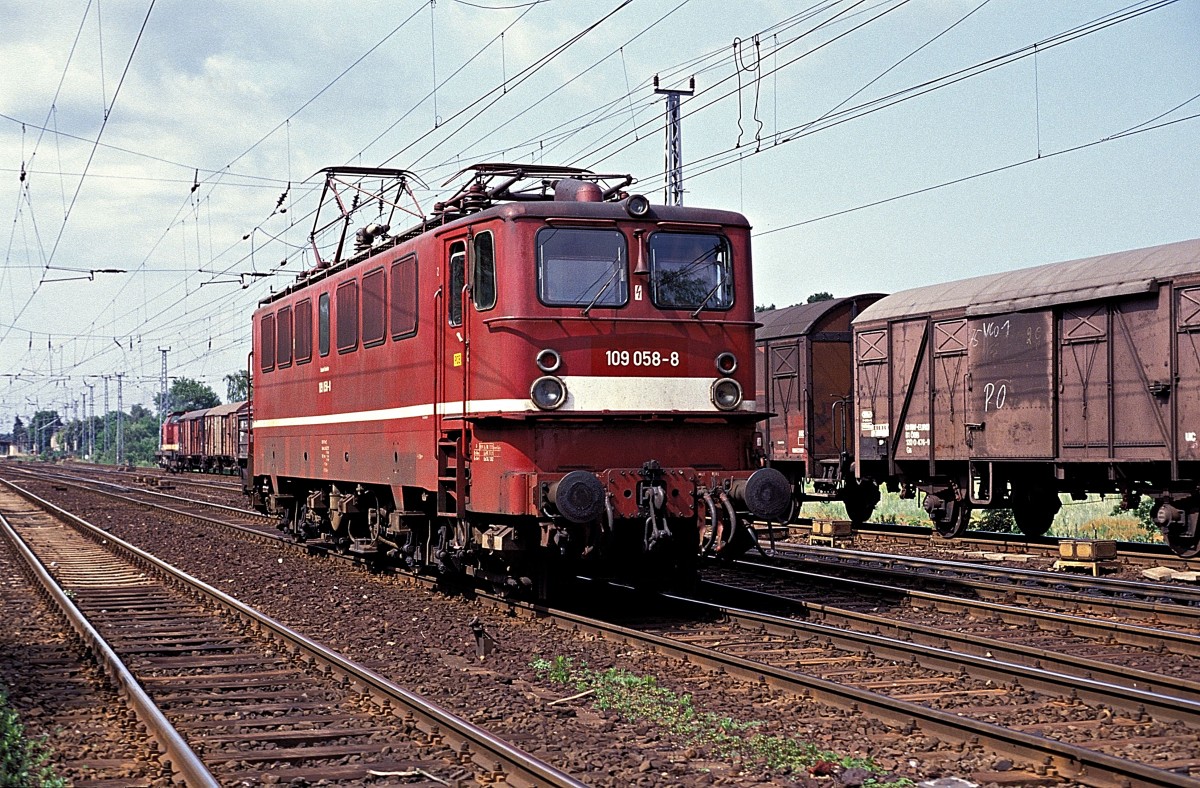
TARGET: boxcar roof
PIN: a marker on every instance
(194, 414)
(1073, 281)
(225, 410)
(800, 319)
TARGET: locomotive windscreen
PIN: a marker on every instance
(689, 270)
(582, 267)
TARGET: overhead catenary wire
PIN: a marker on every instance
(83, 176)
(624, 103)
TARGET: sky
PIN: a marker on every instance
(874, 145)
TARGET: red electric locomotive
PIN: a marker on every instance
(548, 373)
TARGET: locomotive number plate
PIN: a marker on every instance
(641, 358)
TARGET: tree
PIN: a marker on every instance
(188, 394)
(764, 307)
(237, 386)
(20, 435)
(821, 296)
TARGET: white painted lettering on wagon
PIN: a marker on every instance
(915, 436)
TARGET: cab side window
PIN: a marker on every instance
(458, 263)
(347, 316)
(323, 324)
(483, 273)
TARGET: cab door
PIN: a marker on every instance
(449, 387)
(452, 339)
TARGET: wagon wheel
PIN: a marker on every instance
(950, 516)
(1182, 537)
(1034, 511)
(861, 499)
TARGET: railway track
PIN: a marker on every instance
(62, 694)
(129, 480)
(944, 668)
(1162, 602)
(1058, 726)
(255, 697)
(892, 538)
(1115, 651)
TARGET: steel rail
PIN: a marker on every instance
(1153, 598)
(78, 481)
(997, 542)
(485, 748)
(969, 643)
(184, 761)
(1124, 632)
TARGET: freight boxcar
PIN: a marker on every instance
(192, 440)
(225, 437)
(804, 377)
(1008, 389)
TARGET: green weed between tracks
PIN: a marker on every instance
(24, 763)
(640, 698)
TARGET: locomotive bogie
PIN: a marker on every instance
(1006, 390)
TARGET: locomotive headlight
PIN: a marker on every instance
(548, 392)
(726, 394)
(548, 360)
(726, 363)
(637, 206)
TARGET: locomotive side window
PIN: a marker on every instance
(283, 337)
(690, 271)
(483, 273)
(404, 297)
(323, 324)
(266, 341)
(585, 268)
(373, 326)
(458, 263)
(303, 319)
(347, 316)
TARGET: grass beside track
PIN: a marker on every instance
(24, 762)
(1093, 518)
(641, 699)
